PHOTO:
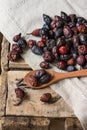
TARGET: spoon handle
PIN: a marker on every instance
(78, 73)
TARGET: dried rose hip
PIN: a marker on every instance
(16, 48)
(67, 32)
(50, 44)
(58, 33)
(53, 23)
(40, 73)
(75, 30)
(86, 57)
(57, 18)
(46, 97)
(81, 60)
(61, 41)
(31, 43)
(19, 93)
(65, 57)
(80, 20)
(47, 19)
(37, 50)
(45, 78)
(76, 42)
(83, 39)
(43, 39)
(82, 28)
(61, 65)
(63, 50)
(73, 17)
(71, 61)
(33, 80)
(40, 44)
(82, 49)
(22, 43)
(35, 32)
(72, 24)
(44, 65)
(48, 56)
(64, 16)
(71, 68)
(55, 52)
(13, 55)
(17, 37)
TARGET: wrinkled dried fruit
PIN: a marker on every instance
(16, 48)
(61, 41)
(33, 80)
(73, 17)
(71, 61)
(36, 32)
(40, 73)
(47, 19)
(83, 39)
(44, 65)
(19, 93)
(31, 43)
(64, 16)
(67, 32)
(65, 57)
(46, 97)
(61, 65)
(22, 43)
(13, 55)
(81, 60)
(40, 44)
(17, 37)
(82, 49)
(45, 78)
(55, 52)
(48, 56)
(50, 44)
(58, 33)
(37, 50)
(82, 28)
(71, 68)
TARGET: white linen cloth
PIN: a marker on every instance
(26, 15)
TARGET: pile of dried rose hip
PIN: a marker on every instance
(63, 42)
(40, 77)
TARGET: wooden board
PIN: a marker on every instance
(32, 106)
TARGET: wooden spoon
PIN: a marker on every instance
(56, 76)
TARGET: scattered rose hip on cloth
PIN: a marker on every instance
(60, 43)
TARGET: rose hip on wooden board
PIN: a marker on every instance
(62, 40)
(46, 97)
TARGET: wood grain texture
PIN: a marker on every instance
(32, 106)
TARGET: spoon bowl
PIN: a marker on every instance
(56, 76)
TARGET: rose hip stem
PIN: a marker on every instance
(35, 32)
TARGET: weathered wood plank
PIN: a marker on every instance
(57, 124)
(72, 124)
(3, 93)
(4, 52)
(20, 64)
(25, 123)
(32, 106)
